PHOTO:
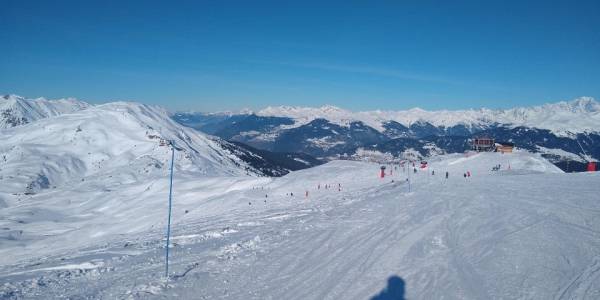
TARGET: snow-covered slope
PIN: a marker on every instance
(525, 231)
(16, 110)
(579, 115)
(115, 142)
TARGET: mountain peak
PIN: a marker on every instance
(585, 104)
(331, 108)
(10, 98)
(303, 112)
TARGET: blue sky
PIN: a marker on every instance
(360, 55)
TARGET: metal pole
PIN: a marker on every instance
(169, 220)
(409, 179)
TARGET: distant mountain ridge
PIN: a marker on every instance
(576, 116)
(330, 132)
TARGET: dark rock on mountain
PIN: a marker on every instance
(269, 163)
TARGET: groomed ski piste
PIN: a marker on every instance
(525, 231)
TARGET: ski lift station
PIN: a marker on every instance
(483, 144)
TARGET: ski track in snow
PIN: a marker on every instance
(528, 232)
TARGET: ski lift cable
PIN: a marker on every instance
(586, 156)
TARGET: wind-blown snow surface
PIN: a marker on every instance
(528, 231)
(562, 118)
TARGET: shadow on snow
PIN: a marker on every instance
(393, 291)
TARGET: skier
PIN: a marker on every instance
(306, 194)
(468, 173)
(446, 174)
(465, 175)
(292, 194)
(432, 172)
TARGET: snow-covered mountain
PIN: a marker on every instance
(117, 142)
(564, 130)
(576, 116)
(16, 110)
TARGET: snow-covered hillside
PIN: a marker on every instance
(16, 110)
(525, 231)
(116, 142)
(577, 116)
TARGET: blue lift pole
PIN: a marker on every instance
(409, 179)
(169, 220)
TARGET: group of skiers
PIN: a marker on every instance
(465, 175)
(328, 186)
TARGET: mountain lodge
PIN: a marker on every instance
(504, 147)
